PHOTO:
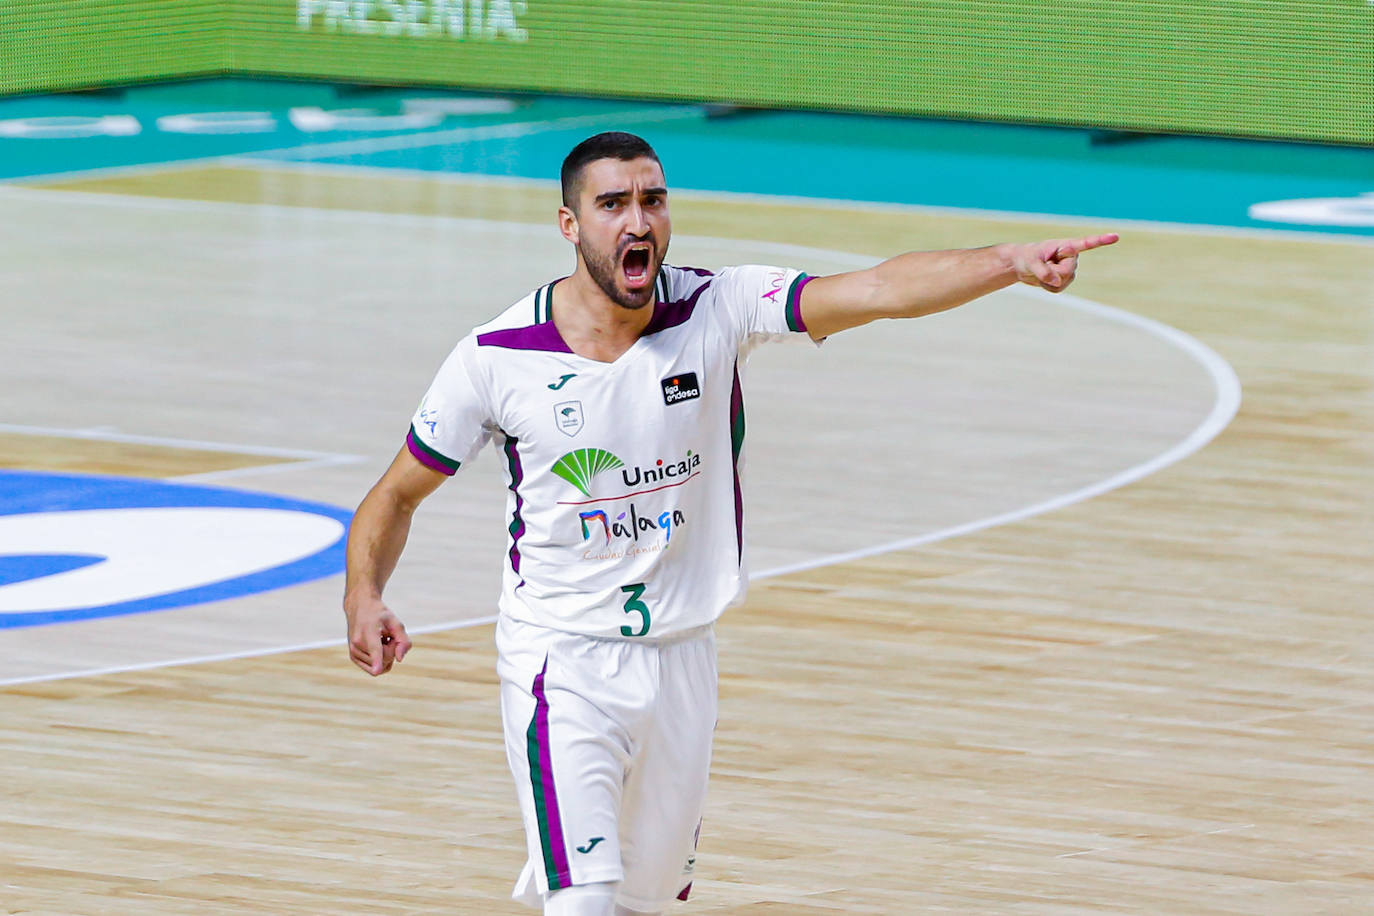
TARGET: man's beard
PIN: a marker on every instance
(605, 269)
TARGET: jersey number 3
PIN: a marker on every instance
(634, 606)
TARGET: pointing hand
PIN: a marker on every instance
(1051, 265)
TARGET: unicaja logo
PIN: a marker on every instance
(661, 470)
(579, 467)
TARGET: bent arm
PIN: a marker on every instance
(382, 524)
(375, 541)
(923, 282)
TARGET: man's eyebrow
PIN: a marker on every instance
(621, 192)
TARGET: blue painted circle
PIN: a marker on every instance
(21, 567)
(32, 492)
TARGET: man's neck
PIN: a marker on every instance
(592, 324)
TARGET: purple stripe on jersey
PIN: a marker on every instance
(542, 336)
(424, 457)
(517, 524)
(794, 315)
(685, 892)
(737, 446)
(671, 314)
(555, 820)
(699, 271)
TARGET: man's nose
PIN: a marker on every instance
(637, 222)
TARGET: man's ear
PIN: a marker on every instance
(567, 224)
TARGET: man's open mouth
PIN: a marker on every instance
(635, 263)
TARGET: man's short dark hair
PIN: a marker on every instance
(613, 144)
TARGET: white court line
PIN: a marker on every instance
(101, 434)
(1018, 216)
(187, 205)
(295, 459)
(112, 171)
(259, 470)
(1022, 216)
(418, 139)
(332, 214)
(356, 170)
(1150, 842)
(1226, 385)
(485, 132)
(831, 203)
(1228, 396)
(411, 140)
(233, 656)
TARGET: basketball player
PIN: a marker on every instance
(614, 395)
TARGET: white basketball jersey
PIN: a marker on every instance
(625, 512)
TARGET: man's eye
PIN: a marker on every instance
(609, 204)
(653, 200)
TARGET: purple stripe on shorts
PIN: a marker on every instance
(555, 820)
(423, 456)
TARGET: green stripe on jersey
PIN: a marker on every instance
(792, 305)
(443, 459)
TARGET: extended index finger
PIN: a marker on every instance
(1075, 246)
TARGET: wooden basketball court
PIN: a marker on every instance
(1118, 666)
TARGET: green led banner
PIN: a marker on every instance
(48, 46)
(1301, 69)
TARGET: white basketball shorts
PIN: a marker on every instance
(609, 741)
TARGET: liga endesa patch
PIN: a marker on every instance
(683, 387)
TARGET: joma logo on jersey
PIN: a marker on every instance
(661, 470)
(681, 387)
